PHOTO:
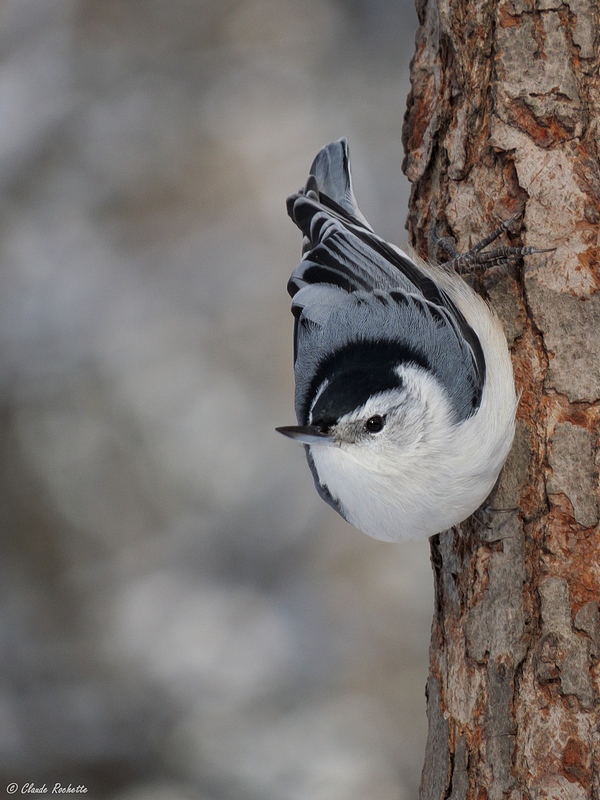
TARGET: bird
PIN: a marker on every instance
(404, 391)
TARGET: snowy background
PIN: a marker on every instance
(181, 615)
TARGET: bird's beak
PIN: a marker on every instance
(307, 434)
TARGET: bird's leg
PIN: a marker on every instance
(475, 258)
(446, 243)
(501, 256)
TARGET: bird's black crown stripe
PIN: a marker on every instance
(354, 373)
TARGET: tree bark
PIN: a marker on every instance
(504, 113)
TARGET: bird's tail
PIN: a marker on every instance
(331, 180)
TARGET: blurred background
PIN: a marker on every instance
(181, 616)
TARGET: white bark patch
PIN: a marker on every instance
(571, 458)
(538, 71)
(561, 654)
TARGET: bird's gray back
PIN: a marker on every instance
(352, 287)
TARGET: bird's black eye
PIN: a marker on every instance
(374, 424)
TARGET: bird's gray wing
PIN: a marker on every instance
(340, 246)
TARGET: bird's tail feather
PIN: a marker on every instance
(331, 179)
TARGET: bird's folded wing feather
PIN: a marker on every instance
(348, 274)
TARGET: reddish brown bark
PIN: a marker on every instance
(504, 113)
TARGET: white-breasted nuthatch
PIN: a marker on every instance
(405, 396)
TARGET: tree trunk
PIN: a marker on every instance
(504, 113)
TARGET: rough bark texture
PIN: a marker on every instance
(504, 112)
